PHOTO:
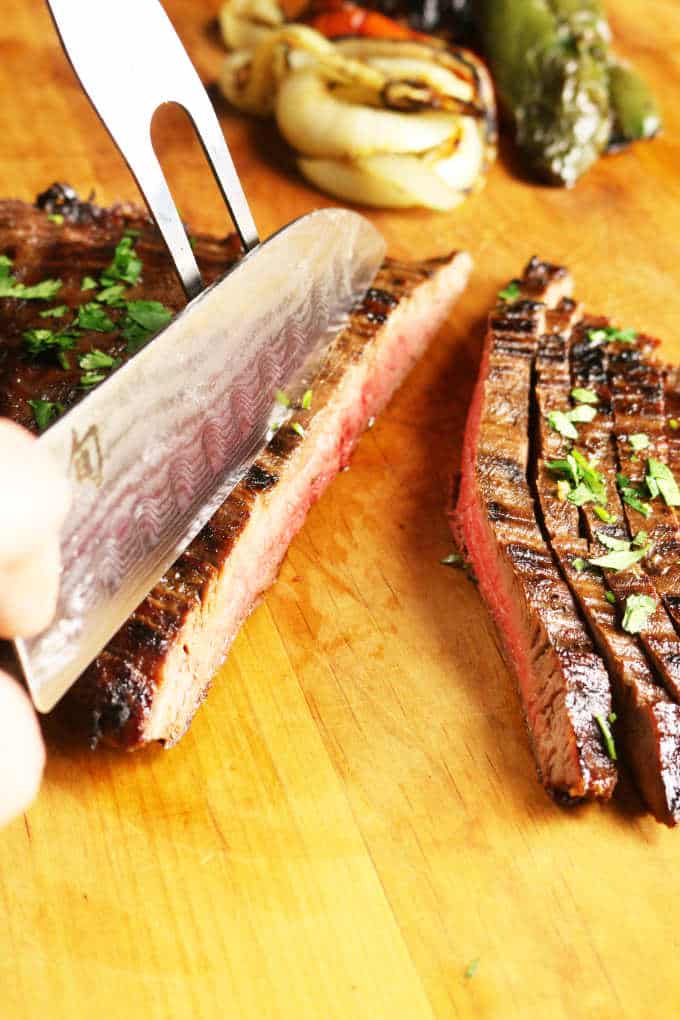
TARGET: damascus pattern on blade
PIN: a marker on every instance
(156, 449)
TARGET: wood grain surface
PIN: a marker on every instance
(354, 816)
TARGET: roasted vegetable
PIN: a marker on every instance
(338, 18)
(554, 73)
(378, 121)
(634, 110)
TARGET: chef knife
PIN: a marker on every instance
(155, 449)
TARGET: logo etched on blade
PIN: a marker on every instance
(87, 463)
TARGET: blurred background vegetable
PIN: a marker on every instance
(570, 99)
(385, 117)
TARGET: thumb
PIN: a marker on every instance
(22, 754)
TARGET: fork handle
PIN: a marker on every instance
(130, 62)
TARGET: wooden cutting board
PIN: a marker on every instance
(354, 817)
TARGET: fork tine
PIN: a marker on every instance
(153, 184)
(127, 80)
(210, 133)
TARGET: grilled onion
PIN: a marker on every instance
(386, 181)
(375, 121)
(316, 123)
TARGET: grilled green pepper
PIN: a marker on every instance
(551, 62)
(634, 108)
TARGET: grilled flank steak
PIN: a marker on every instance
(598, 423)
(562, 681)
(149, 681)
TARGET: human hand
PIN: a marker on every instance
(33, 505)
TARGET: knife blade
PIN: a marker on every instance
(156, 448)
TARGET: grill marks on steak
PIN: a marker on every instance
(606, 441)
(637, 385)
(648, 722)
(635, 394)
(150, 679)
(563, 683)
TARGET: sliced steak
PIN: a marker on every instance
(149, 681)
(605, 440)
(637, 386)
(648, 722)
(563, 682)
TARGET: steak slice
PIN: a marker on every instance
(149, 681)
(648, 722)
(606, 441)
(637, 385)
(562, 681)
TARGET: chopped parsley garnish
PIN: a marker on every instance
(282, 398)
(142, 321)
(581, 413)
(674, 423)
(297, 427)
(639, 441)
(580, 495)
(54, 313)
(638, 609)
(659, 480)
(56, 218)
(90, 379)
(624, 553)
(609, 745)
(511, 292)
(582, 396)
(91, 316)
(97, 359)
(607, 334)
(603, 514)
(112, 296)
(567, 467)
(471, 968)
(44, 412)
(617, 544)
(9, 287)
(619, 560)
(43, 341)
(610, 597)
(630, 494)
(151, 315)
(559, 421)
(586, 483)
(126, 266)
(563, 421)
(306, 400)
(579, 564)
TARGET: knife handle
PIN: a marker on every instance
(130, 62)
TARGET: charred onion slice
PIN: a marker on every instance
(317, 123)
(385, 181)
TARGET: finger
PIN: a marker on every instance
(22, 753)
(28, 592)
(38, 494)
